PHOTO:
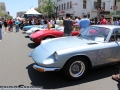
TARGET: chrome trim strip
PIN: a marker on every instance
(46, 69)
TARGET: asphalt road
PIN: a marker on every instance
(16, 69)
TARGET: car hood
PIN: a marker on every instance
(34, 28)
(64, 43)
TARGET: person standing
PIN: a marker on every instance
(60, 22)
(102, 20)
(57, 21)
(84, 23)
(110, 22)
(68, 23)
(0, 30)
(48, 24)
(17, 25)
(5, 25)
(77, 20)
(11, 25)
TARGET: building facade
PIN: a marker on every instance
(3, 8)
(20, 14)
(80, 7)
(117, 9)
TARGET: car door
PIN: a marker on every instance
(112, 51)
(58, 32)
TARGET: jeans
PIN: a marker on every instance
(0, 33)
(17, 28)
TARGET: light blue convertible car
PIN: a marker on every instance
(25, 28)
(97, 45)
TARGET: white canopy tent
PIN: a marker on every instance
(33, 11)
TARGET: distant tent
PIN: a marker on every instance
(33, 11)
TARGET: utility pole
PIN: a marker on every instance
(115, 3)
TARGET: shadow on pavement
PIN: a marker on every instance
(26, 36)
(118, 85)
(24, 32)
(32, 45)
(55, 80)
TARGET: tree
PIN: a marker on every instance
(9, 17)
(39, 9)
(47, 7)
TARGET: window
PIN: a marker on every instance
(118, 1)
(95, 5)
(59, 7)
(3, 8)
(104, 5)
(95, 33)
(84, 4)
(115, 36)
(64, 6)
(70, 4)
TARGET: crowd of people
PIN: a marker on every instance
(67, 22)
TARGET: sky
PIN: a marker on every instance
(14, 6)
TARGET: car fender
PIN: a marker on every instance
(49, 35)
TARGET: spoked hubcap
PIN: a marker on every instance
(77, 69)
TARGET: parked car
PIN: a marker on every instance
(25, 28)
(34, 29)
(38, 36)
(97, 45)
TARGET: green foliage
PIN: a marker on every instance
(5, 15)
(39, 9)
(47, 7)
(9, 17)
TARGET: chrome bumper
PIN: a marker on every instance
(43, 69)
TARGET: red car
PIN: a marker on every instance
(38, 36)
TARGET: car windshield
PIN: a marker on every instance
(43, 26)
(95, 33)
(60, 28)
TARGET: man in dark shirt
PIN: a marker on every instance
(68, 23)
(0, 30)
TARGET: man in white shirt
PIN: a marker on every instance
(77, 20)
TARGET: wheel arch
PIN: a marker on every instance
(83, 56)
(48, 36)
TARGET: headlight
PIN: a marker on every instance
(56, 56)
(50, 61)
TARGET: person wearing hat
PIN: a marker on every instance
(84, 23)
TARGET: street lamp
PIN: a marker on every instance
(56, 8)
